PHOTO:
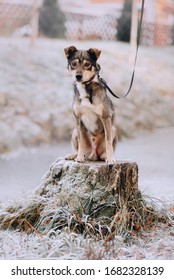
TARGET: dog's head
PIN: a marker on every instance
(82, 64)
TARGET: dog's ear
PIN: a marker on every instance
(95, 53)
(69, 51)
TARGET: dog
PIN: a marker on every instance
(95, 135)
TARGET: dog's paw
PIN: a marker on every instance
(103, 157)
(80, 159)
(71, 157)
(110, 161)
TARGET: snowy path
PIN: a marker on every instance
(154, 153)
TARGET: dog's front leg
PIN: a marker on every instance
(107, 124)
(81, 142)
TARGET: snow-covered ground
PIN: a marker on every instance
(154, 153)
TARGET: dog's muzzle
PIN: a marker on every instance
(78, 77)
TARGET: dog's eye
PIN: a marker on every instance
(87, 65)
(74, 64)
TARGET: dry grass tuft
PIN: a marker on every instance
(42, 216)
(22, 218)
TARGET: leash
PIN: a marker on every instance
(136, 54)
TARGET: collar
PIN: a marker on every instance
(90, 80)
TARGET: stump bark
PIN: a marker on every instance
(84, 188)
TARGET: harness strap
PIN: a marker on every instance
(136, 54)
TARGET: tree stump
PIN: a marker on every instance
(92, 198)
(90, 193)
(86, 187)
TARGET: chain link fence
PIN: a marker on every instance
(157, 34)
(13, 16)
(80, 26)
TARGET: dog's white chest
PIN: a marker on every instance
(89, 112)
(89, 119)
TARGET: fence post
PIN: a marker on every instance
(134, 29)
(35, 20)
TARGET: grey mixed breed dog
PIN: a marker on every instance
(95, 135)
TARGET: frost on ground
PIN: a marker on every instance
(156, 244)
(36, 90)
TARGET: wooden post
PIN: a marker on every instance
(35, 20)
(134, 30)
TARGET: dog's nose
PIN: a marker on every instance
(78, 77)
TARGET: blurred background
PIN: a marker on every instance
(36, 119)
